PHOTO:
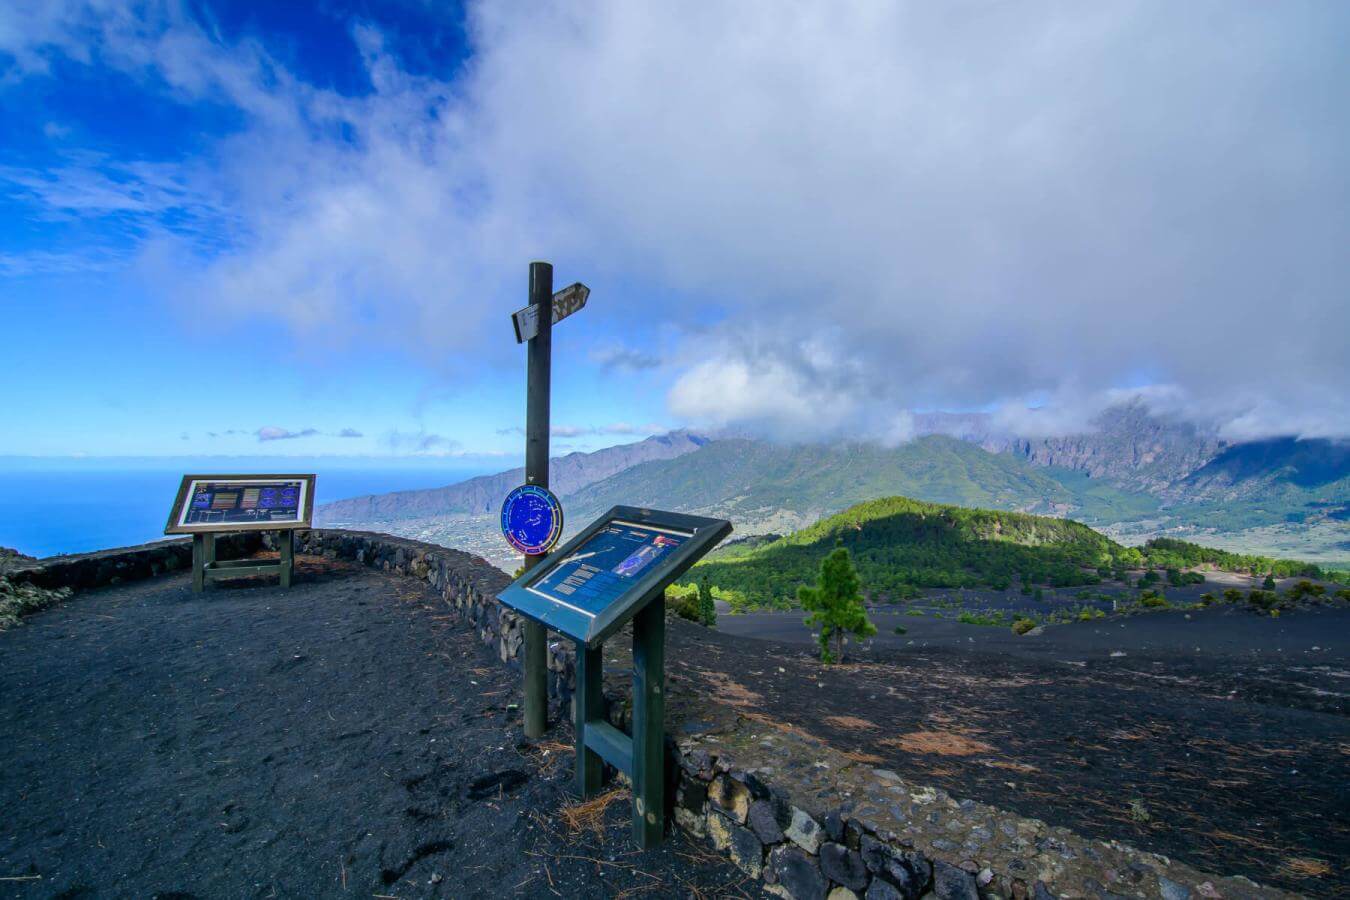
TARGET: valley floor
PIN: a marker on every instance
(1221, 739)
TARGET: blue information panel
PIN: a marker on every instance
(602, 569)
(532, 519)
(235, 502)
(599, 580)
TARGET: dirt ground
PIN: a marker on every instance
(1218, 737)
(344, 738)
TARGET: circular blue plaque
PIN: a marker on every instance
(532, 519)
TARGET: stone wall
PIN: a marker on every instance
(83, 571)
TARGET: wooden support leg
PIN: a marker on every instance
(536, 679)
(198, 563)
(589, 701)
(286, 551)
(209, 540)
(649, 718)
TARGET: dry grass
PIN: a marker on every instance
(1302, 867)
(729, 691)
(589, 815)
(943, 743)
(851, 722)
(860, 757)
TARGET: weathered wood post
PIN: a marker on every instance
(538, 385)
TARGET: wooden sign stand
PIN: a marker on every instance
(205, 566)
(641, 756)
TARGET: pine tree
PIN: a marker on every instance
(707, 607)
(836, 604)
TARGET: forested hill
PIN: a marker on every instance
(900, 545)
(764, 486)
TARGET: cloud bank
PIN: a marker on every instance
(863, 208)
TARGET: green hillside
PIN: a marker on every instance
(781, 486)
(902, 545)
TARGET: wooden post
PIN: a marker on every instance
(199, 563)
(589, 702)
(286, 552)
(537, 379)
(649, 718)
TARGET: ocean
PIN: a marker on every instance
(46, 509)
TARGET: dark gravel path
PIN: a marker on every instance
(341, 739)
(1222, 740)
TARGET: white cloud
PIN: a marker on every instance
(978, 205)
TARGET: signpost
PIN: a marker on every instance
(534, 327)
(565, 302)
(207, 505)
(614, 571)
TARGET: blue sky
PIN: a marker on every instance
(105, 361)
(300, 228)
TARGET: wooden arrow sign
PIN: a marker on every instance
(565, 302)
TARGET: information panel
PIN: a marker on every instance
(603, 576)
(602, 569)
(241, 503)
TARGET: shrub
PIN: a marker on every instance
(1153, 600)
(1207, 599)
(1343, 594)
(1263, 600)
(1306, 589)
(1232, 595)
(913, 612)
(1269, 583)
(900, 629)
(1022, 626)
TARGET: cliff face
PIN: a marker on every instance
(483, 495)
(1138, 450)
(1127, 443)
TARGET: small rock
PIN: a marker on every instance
(985, 877)
(731, 797)
(804, 831)
(834, 826)
(843, 866)
(951, 883)
(842, 893)
(882, 890)
(764, 822)
(797, 874)
(1170, 890)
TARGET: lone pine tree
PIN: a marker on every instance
(707, 607)
(836, 604)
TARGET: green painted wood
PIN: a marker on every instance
(649, 717)
(613, 746)
(588, 706)
(286, 553)
(220, 570)
(198, 563)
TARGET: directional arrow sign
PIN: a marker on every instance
(565, 302)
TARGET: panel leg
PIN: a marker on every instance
(209, 541)
(198, 563)
(286, 551)
(649, 719)
(536, 679)
(588, 700)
